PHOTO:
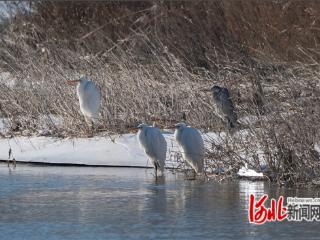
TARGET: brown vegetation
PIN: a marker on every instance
(151, 58)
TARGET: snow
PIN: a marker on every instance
(115, 150)
(317, 147)
(7, 79)
(120, 150)
(245, 172)
(47, 122)
(2, 125)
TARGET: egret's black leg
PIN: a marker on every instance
(156, 168)
(229, 124)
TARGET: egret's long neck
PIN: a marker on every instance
(142, 137)
(80, 90)
(177, 133)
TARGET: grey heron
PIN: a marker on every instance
(224, 105)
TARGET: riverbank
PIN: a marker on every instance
(108, 151)
(151, 62)
(116, 150)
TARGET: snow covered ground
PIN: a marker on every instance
(122, 150)
(117, 150)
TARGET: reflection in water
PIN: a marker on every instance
(249, 187)
(117, 203)
(245, 189)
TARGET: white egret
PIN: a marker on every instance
(191, 144)
(154, 144)
(89, 98)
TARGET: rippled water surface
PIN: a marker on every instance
(118, 203)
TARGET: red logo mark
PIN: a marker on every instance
(259, 214)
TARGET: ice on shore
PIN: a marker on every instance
(246, 172)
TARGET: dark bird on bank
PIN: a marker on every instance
(224, 105)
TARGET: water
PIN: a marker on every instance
(118, 203)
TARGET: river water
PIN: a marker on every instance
(39, 202)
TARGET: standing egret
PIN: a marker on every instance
(224, 105)
(191, 144)
(154, 144)
(89, 98)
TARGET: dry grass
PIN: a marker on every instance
(150, 59)
(280, 133)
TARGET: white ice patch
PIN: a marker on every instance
(245, 172)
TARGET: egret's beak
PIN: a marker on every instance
(71, 82)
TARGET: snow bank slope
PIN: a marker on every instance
(123, 151)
